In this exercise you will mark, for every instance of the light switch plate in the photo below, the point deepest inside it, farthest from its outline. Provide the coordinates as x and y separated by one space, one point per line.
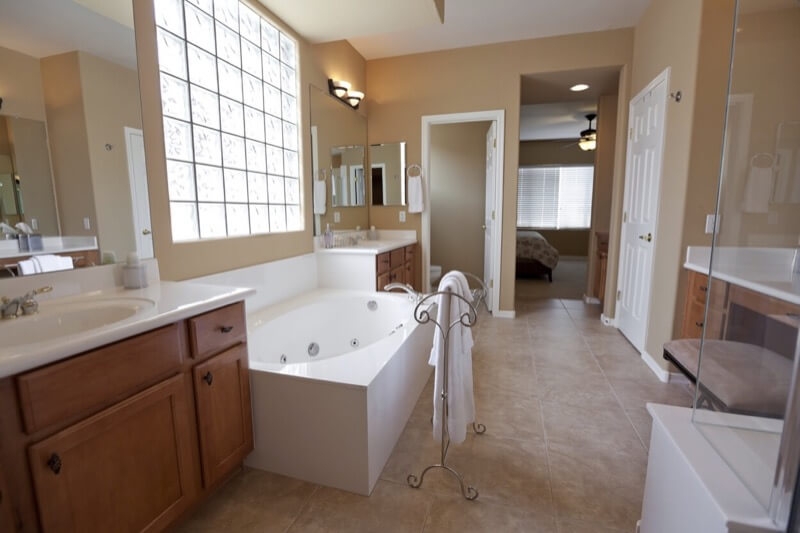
711 221
402 216
337 217
87 223
35 223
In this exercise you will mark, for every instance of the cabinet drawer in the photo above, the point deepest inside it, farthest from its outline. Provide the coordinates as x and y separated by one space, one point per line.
222 392
698 286
217 330
693 321
93 381
398 257
384 280
384 263
409 274
397 275
410 252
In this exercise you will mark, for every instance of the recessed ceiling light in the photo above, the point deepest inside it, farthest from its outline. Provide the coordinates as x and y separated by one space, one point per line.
579 87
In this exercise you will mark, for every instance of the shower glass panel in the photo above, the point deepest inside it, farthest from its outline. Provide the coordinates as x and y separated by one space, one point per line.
746 402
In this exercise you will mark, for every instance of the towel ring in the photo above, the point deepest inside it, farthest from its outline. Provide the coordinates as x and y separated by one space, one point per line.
414 166
762 154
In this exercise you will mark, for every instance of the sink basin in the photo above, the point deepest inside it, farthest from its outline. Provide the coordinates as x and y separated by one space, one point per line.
60 319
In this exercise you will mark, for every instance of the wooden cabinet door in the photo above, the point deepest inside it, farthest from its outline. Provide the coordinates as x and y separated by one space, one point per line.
224 416
125 469
6 513
384 280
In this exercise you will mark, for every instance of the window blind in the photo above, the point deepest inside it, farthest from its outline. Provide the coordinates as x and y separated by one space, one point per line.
555 197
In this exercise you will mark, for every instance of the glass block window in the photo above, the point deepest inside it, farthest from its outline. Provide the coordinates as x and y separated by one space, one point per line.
229 89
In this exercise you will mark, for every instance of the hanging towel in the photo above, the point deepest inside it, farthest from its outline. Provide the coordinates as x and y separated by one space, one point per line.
320 197
415 202
27 267
460 396
757 190
52 263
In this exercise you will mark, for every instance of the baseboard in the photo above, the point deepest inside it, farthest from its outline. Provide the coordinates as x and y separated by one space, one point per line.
661 374
500 313
591 300
608 321
678 378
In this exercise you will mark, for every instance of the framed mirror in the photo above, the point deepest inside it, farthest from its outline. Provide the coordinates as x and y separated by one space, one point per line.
338 141
388 173
72 162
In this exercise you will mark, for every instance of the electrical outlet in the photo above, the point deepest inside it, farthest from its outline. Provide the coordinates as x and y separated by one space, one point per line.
337 217
87 223
402 216
35 223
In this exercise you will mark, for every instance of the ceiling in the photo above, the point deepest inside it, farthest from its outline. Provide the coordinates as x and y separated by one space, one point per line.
563 120
321 21
554 86
42 28
476 22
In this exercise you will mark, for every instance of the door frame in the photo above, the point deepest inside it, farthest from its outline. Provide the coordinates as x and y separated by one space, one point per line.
663 76
137 224
428 121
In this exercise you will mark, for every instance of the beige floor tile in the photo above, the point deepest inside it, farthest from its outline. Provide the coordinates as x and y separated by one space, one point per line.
507 414
390 508
587 389
642 423
579 526
252 501
457 515
510 372
634 392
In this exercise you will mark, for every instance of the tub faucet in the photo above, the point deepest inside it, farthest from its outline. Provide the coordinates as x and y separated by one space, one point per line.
412 294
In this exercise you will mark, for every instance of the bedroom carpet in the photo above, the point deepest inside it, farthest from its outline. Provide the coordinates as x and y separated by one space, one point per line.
569 282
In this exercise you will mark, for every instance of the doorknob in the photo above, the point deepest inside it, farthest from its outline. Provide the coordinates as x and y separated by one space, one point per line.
146 231
648 237
483 226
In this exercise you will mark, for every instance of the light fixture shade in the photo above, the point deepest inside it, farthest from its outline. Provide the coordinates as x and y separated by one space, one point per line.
587 144
578 87
354 97
340 87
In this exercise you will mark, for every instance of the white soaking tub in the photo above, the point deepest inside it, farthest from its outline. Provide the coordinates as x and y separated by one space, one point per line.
335 375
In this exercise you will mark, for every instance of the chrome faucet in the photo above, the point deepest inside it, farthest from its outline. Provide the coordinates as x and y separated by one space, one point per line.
27 304
414 295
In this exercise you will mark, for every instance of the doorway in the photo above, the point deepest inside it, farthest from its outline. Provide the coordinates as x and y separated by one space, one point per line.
482 221
140 201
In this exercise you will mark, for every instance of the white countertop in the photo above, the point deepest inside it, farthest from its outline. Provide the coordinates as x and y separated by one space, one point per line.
764 270
50 245
369 247
174 301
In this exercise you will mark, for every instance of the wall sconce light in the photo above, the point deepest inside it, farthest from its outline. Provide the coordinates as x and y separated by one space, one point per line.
342 90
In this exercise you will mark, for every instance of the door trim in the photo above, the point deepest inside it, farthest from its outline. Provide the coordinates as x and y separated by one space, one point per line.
428 121
664 76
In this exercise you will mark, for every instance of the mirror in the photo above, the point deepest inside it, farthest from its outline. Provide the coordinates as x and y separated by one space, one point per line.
72 163
347 171
388 173
338 140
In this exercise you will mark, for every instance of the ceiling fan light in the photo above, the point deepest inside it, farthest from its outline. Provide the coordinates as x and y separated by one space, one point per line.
587 145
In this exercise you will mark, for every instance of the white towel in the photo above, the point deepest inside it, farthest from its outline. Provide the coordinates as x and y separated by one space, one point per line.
415 201
460 397
320 197
52 263
757 190
27 267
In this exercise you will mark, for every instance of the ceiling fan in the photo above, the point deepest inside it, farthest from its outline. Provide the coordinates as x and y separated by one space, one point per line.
588 139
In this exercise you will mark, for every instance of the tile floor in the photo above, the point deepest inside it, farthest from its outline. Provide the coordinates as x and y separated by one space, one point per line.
566 448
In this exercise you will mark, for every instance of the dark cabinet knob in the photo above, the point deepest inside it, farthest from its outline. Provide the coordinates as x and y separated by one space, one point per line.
226 329
699 324
208 378
54 463
703 288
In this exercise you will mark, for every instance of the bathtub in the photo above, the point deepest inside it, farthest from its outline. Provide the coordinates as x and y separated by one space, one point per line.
334 378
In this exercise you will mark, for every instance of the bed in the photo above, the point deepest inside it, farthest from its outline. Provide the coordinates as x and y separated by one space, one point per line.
535 256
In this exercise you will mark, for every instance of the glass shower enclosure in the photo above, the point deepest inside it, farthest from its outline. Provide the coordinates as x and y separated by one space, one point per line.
747 401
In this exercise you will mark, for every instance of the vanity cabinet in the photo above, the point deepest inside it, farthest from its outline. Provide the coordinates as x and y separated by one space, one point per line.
7 519
129 436
396 266
225 425
698 291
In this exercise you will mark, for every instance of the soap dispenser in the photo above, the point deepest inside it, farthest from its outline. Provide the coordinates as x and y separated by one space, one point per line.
134 273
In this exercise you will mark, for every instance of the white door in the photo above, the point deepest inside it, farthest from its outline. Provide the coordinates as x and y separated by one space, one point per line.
491 161
640 208
140 201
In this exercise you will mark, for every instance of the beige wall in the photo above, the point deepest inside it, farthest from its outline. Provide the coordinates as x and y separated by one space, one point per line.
111 103
191 259
603 180
556 152
458 195
473 79
568 242
66 123
21 85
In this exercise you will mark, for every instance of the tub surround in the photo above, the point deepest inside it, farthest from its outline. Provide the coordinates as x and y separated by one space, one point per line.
764 270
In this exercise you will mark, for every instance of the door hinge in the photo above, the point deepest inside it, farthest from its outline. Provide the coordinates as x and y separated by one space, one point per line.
491 284
494 143
619 294
624 216
630 133
492 214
